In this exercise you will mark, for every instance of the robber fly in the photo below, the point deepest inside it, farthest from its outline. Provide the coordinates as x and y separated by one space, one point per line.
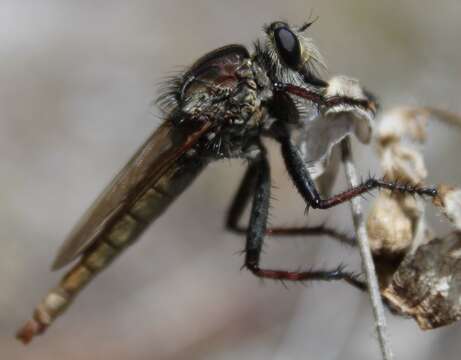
221 107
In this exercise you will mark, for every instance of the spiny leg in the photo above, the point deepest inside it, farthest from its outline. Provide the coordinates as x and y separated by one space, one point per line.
319 230
322 101
300 175
257 230
241 199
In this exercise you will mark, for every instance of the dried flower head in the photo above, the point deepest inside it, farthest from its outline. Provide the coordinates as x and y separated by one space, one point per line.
427 284
420 276
395 220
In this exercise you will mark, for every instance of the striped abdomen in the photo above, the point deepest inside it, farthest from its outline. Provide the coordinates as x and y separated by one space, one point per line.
124 231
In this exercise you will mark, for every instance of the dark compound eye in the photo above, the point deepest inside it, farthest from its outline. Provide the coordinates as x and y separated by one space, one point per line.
288 47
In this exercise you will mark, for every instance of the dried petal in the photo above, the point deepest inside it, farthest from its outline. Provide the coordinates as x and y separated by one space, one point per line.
361 119
427 285
403 163
319 138
341 85
403 123
389 227
320 135
449 201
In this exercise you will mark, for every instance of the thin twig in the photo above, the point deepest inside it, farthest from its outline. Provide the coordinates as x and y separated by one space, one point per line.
365 253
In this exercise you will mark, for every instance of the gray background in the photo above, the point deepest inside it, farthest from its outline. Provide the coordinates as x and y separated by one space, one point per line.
76 82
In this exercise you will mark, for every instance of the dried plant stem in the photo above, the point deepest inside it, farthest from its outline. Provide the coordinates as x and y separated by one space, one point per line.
444 116
365 253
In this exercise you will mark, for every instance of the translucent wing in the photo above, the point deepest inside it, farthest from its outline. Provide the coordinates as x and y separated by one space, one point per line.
161 150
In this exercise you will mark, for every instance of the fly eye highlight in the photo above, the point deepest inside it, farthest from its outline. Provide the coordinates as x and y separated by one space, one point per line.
288 47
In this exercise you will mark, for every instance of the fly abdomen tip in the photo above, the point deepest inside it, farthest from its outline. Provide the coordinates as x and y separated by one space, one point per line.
29 330
51 306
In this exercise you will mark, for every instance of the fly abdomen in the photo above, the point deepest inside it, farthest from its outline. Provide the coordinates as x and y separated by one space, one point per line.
151 204
111 243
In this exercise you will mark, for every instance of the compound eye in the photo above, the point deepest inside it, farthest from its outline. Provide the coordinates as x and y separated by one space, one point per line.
288 47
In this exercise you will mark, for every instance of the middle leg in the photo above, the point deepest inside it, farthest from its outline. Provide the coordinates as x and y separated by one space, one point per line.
242 198
257 230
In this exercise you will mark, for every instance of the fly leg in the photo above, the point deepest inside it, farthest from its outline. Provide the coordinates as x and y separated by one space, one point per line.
322 101
257 229
241 198
240 202
306 186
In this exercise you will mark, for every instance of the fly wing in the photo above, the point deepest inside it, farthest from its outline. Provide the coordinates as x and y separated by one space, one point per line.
161 150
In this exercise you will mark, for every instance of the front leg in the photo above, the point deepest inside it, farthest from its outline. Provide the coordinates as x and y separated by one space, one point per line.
321 101
303 181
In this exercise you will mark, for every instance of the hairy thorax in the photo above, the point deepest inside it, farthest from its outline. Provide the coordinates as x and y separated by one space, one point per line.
229 90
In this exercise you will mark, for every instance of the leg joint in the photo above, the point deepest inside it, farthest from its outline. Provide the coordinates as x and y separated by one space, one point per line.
371 183
253 267
315 203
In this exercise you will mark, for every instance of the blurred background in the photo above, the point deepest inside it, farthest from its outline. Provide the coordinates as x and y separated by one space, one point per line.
77 81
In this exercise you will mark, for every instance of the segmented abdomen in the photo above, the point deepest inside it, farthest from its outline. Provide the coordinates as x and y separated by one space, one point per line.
110 244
